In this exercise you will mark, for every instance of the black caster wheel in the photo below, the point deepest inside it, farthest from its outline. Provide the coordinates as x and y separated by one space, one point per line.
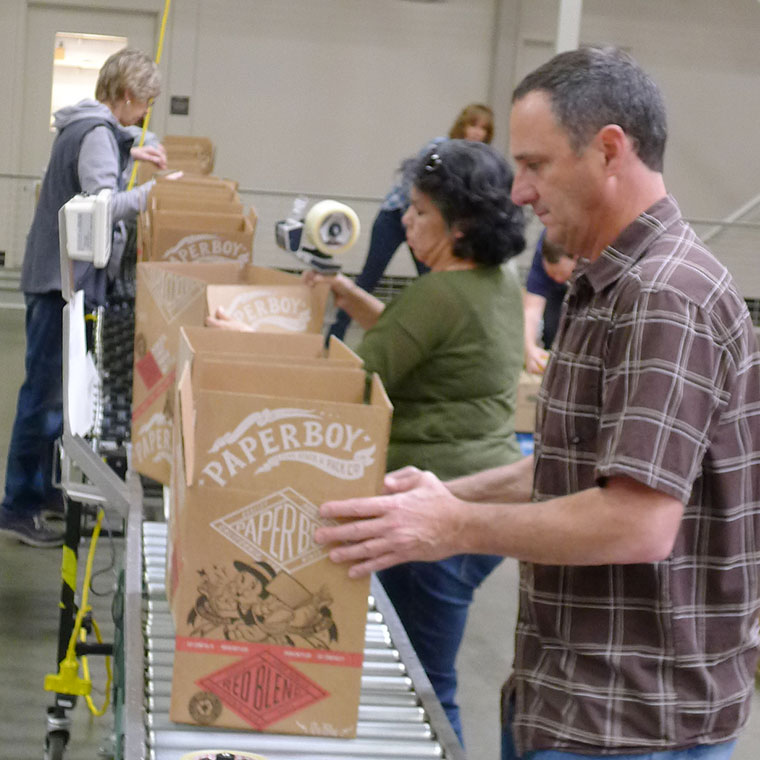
55 745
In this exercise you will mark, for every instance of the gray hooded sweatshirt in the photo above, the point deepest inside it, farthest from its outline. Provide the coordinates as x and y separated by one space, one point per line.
90 153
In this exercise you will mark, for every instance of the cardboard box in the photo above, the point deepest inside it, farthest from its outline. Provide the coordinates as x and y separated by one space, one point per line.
269 632
190 194
185 146
186 198
143 236
187 236
187 164
267 347
527 394
193 155
271 307
197 183
172 295
185 202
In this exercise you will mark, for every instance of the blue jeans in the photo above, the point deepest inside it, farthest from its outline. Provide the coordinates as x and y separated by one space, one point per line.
432 600
387 235
720 751
39 413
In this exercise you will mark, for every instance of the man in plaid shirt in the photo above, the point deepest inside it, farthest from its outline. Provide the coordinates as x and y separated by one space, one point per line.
637 521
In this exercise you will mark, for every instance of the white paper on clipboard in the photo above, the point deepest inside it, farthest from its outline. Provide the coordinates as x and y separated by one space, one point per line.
82 374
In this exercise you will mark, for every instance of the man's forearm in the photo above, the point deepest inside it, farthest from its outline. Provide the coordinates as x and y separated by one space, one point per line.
510 483
622 523
420 519
533 310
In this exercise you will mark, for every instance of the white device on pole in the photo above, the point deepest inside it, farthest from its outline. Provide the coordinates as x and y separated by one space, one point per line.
85 231
85 234
89 228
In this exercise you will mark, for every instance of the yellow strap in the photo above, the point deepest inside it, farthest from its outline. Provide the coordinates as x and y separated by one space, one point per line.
69 568
146 120
97 712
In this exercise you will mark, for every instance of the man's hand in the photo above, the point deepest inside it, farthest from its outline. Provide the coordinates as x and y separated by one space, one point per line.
417 519
156 154
535 359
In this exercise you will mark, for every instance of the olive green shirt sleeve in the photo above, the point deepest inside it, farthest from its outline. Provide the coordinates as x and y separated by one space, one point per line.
408 331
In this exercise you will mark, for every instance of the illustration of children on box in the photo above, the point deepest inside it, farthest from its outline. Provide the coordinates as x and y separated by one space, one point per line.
257 604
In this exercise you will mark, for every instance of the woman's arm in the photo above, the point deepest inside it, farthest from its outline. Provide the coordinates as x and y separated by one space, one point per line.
98 168
361 306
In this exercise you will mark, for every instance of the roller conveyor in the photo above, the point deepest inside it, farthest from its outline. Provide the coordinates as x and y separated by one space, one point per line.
399 715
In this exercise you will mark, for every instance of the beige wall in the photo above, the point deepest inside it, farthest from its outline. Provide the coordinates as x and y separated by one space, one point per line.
324 97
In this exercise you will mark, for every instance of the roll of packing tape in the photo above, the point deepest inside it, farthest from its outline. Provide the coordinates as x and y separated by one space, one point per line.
220 754
332 227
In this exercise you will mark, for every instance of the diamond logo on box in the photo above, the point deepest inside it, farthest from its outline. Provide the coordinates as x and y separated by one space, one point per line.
278 529
172 293
262 689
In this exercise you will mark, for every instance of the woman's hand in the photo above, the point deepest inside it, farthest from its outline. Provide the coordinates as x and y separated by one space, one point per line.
222 319
156 154
340 285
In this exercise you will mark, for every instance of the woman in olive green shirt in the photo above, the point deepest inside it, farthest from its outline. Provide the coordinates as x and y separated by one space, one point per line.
449 351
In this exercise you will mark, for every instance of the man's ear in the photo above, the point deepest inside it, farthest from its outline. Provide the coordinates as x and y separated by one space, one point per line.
614 145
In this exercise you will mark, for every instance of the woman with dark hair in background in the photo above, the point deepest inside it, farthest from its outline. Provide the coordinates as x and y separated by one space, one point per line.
449 350
91 152
474 122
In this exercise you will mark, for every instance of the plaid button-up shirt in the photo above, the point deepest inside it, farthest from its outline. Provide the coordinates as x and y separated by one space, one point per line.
655 376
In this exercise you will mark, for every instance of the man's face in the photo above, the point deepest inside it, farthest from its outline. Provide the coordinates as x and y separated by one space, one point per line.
565 189
560 271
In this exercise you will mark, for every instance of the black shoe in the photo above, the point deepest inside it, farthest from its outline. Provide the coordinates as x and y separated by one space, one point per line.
30 529
54 511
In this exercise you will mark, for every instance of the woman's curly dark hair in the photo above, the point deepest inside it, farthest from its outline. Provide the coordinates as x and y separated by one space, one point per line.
470 184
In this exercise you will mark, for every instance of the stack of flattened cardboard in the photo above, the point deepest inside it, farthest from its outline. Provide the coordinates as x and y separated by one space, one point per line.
194 155
195 218
172 295
269 632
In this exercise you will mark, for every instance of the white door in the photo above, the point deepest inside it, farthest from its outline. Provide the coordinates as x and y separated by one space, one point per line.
43 22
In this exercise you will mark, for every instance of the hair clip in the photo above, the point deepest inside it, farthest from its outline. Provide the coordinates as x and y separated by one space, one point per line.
433 162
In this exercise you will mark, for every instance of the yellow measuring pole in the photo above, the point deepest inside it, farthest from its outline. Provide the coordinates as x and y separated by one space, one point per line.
146 120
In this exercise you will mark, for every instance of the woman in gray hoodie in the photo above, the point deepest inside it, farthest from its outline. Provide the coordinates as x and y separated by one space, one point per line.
91 151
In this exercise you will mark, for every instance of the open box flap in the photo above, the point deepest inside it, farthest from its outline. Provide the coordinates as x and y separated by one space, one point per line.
187 421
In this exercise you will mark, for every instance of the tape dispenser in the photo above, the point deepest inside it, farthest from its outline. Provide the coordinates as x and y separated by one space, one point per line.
328 229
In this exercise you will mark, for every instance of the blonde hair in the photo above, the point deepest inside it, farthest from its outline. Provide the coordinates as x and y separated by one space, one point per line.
128 69
473 113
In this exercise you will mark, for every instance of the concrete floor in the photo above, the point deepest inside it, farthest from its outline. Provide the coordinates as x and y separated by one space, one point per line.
29 592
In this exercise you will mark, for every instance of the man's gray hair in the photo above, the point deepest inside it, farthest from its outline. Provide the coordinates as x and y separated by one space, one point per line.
594 86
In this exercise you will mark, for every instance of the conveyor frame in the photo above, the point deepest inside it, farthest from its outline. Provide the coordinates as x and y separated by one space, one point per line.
145 601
